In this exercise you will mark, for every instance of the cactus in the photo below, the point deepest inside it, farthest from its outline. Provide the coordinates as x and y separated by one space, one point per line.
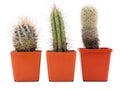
58 32
89 27
24 36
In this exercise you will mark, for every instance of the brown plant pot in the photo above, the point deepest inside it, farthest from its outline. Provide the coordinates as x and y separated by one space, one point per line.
95 63
61 65
26 65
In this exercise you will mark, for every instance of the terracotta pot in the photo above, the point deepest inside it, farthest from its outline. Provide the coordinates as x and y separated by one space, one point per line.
95 63
61 65
26 65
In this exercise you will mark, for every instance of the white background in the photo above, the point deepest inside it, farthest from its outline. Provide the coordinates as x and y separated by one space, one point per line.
39 12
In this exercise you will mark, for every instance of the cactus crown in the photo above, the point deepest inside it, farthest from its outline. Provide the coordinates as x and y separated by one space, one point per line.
24 36
89 27
58 32
89 16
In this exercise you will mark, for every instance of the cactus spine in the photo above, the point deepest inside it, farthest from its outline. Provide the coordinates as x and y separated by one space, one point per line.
89 27
24 36
58 32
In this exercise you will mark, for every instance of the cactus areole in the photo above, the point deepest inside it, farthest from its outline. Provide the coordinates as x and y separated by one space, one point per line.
58 32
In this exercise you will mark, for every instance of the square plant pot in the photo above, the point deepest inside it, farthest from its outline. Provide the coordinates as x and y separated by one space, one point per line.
61 65
26 65
95 63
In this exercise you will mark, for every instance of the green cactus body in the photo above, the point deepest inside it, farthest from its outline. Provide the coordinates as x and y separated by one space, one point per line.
89 27
58 32
24 37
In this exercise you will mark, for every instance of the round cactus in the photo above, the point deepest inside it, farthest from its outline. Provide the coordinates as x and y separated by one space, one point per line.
89 27
58 32
24 36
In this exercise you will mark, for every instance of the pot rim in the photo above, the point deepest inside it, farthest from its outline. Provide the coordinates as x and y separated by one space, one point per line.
61 52
14 51
101 49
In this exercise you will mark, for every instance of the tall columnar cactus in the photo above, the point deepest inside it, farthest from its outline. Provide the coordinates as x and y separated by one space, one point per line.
89 27
58 32
24 36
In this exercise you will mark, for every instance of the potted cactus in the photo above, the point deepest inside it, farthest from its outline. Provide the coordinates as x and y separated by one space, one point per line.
25 58
95 60
60 61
